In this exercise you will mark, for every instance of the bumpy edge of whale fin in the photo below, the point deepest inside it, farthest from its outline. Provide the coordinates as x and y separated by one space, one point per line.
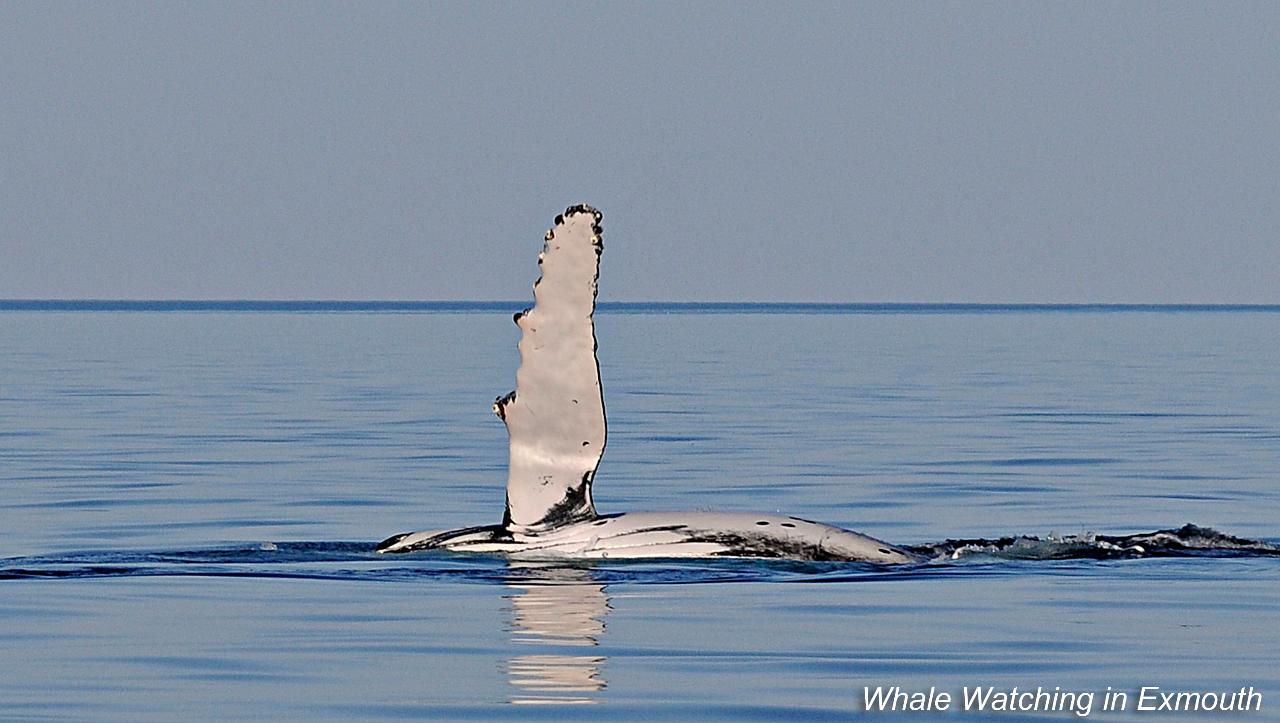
555 418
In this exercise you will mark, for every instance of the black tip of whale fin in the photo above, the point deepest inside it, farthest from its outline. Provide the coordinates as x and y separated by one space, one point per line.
390 541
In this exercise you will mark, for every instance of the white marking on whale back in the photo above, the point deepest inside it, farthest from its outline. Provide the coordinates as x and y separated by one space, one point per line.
676 535
555 417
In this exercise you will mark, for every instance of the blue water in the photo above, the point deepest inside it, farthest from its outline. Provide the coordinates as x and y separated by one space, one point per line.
192 490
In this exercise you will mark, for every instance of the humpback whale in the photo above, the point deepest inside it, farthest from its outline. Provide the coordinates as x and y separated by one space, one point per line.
556 431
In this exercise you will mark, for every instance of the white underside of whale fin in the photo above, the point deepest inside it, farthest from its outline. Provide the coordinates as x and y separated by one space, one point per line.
555 417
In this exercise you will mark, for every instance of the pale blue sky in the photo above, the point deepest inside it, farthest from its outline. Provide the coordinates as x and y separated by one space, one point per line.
975 152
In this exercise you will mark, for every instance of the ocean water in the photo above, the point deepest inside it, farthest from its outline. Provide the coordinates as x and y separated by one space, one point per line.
192 492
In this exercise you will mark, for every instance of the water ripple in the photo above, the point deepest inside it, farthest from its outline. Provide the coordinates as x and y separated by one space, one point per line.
358 561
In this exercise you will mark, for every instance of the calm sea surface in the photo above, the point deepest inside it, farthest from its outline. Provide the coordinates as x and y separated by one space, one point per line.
191 494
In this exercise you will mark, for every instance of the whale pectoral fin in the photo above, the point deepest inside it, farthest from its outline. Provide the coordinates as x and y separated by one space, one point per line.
432 539
555 417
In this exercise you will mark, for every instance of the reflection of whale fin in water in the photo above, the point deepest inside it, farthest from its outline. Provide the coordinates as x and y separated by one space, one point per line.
563 608
556 423
567 612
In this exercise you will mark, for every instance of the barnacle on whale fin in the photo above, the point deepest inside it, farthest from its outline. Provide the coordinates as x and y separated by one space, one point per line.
555 418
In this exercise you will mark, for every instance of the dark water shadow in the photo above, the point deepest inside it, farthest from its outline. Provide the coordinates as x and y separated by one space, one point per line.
357 561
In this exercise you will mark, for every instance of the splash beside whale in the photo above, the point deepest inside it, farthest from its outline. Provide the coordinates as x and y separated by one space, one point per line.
556 426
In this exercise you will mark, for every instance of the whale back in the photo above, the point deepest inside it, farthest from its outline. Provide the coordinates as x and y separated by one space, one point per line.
555 417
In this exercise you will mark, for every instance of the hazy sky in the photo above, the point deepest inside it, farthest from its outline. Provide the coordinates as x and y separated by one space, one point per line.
979 152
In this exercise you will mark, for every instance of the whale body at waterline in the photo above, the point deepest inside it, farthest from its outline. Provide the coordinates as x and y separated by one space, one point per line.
557 429
635 535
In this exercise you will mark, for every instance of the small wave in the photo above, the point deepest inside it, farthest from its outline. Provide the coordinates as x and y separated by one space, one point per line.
1186 541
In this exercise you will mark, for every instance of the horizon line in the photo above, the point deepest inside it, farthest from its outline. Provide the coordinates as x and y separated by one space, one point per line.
178 304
